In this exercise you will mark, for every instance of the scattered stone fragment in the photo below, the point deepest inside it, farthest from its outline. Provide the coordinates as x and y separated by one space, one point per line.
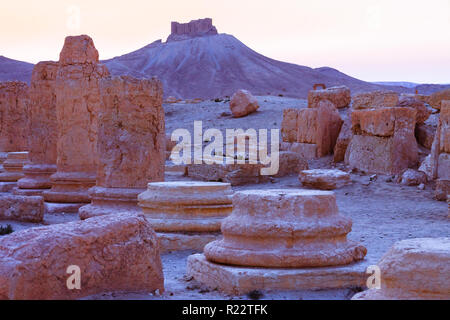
413 178
375 99
21 208
339 96
324 179
243 103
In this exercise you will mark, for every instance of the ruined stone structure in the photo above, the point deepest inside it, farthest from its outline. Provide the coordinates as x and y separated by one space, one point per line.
14 115
77 103
415 269
130 146
375 99
114 253
316 129
13 167
383 140
21 208
324 179
43 131
186 215
194 28
436 98
272 229
243 103
339 96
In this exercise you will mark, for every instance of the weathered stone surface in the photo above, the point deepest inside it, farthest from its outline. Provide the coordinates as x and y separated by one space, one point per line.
186 206
444 144
413 269
437 98
290 163
194 28
235 174
383 140
343 140
289 125
442 190
443 170
130 145
243 103
169 146
14 115
319 126
423 113
21 208
114 253
43 128
413 178
339 96
78 101
324 179
13 166
234 280
425 135
375 99
285 229
307 151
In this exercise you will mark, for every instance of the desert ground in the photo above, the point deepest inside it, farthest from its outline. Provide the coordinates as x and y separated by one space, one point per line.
382 210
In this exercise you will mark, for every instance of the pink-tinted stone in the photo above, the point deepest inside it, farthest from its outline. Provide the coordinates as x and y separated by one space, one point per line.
78 100
243 103
343 140
130 145
423 113
114 253
21 208
437 98
339 96
14 116
324 179
375 99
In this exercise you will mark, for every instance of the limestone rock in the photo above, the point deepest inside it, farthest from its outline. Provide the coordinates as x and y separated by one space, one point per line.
14 116
290 163
437 98
423 113
13 166
383 140
339 96
235 174
413 269
442 190
413 178
289 125
324 179
285 229
114 253
243 103
188 206
343 140
21 208
319 126
43 128
425 135
375 99
78 101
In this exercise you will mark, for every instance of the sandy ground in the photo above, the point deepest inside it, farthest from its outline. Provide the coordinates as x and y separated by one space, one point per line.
382 211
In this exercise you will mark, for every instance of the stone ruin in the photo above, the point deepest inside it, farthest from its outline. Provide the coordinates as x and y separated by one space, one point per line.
78 100
271 230
43 131
339 96
192 29
313 131
186 215
413 269
130 145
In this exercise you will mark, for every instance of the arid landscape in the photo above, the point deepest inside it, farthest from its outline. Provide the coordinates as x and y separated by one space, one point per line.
198 169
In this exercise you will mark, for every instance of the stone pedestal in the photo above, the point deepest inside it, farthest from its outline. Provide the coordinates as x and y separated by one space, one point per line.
130 146
13 166
277 230
3 156
77 104
413 269
43 131
186 215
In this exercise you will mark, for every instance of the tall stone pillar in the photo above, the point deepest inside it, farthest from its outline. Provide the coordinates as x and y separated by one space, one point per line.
77 103
43 131
14 126
130 146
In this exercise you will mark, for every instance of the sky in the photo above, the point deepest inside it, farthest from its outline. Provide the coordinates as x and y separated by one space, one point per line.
373 40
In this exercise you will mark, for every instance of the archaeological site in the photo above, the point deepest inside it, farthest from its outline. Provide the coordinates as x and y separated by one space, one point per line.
196 168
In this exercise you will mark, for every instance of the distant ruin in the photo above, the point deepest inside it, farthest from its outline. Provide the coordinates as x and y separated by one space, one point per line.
192 29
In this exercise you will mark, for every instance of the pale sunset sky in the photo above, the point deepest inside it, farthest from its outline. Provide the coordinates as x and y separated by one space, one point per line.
373 40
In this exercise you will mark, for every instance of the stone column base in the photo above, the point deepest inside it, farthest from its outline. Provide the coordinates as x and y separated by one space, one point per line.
241 280
110 201
28 192
37 176
7 186
185 241
70 187
55 208
13 166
